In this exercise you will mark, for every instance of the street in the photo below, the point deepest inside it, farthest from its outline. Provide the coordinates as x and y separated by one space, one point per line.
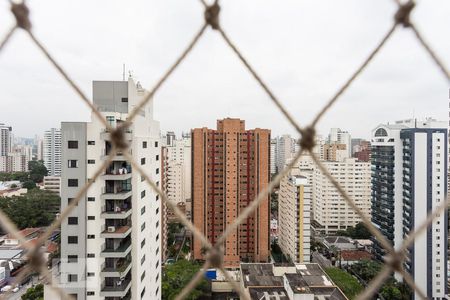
321 260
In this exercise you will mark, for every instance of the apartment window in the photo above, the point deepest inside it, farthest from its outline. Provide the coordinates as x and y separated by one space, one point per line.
91 218
143 161
72 278
72 144
91 143
157 224
157 197
142 276
72 163
124 100
111 120
72 258
91 199
91 236
157 170
157 237
157 157
142 178
157 264
72 182
69 200
143 194
72 220
157 291
91 161
157 251
90 293
143 293
144 144
90 274
143 226
156 144
142 210
72 239
143 243
157 276
157 210
90 255
142 260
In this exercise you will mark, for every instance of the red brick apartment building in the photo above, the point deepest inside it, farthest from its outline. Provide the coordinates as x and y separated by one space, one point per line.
230 166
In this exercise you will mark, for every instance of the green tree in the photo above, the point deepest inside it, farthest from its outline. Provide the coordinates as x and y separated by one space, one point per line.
349 285
29 184
34 293
34 209
37 170
361 232
390 292
177 275
366 269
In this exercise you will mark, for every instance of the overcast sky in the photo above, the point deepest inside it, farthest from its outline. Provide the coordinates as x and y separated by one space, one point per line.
304 50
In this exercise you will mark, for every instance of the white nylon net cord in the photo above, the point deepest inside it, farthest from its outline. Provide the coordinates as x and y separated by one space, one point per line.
307 134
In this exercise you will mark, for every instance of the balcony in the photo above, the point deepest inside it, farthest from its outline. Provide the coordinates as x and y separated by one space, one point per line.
118 157
119 174
118 213
116 232
121 270
118 289
115 194
120 252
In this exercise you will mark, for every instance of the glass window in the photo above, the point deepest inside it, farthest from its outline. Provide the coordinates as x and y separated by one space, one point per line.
72 220
72 144
72 182
72 163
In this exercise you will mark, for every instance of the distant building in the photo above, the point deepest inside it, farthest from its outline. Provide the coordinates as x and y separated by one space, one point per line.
264 281
52 183
338 136
5 139
361 151
230 167
52 151
335 152
294 217
409 180
285 150
273 156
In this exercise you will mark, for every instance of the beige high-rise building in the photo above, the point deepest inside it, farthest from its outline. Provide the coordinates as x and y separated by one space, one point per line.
230 167
330 210
294 216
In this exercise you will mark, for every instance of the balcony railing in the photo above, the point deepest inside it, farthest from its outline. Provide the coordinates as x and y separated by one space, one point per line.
119 289
121 251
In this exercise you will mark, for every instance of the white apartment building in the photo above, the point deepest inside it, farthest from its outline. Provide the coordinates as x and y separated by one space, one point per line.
5 139
273 156
338 136
331 211
409 180
179 172
285 150
110 243
294 217
51 151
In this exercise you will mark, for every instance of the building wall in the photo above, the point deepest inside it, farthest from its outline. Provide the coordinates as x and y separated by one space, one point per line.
294 218
331 211
241 170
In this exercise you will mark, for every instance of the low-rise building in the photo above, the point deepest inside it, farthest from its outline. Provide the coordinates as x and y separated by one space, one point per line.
265 281
52 183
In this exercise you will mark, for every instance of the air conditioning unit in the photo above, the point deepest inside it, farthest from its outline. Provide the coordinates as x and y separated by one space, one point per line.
111 229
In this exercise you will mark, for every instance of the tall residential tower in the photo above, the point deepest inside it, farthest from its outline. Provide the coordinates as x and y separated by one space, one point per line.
110 242
230 167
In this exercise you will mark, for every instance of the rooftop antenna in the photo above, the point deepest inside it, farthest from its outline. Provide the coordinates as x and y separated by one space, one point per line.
123 72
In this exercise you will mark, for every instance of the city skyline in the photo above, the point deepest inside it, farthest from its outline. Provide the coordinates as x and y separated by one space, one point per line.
387 89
